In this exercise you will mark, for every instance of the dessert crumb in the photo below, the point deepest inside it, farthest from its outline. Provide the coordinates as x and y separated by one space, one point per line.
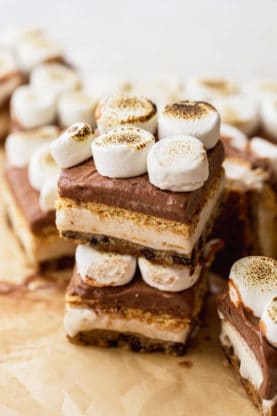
185 363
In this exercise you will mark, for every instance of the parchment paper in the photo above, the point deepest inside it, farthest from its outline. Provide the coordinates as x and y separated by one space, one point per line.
42 374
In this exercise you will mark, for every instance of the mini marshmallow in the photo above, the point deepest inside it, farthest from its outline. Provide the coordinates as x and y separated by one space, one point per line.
235 136
122 152
253 283
264 149
239 111
32 51
49 194
124 110
42 167
10 37
269 116
178 164
268 322
73 146
76 106
31 108
10 77
168 279
259 89
190 118
104 269
207 89
21 145
56 78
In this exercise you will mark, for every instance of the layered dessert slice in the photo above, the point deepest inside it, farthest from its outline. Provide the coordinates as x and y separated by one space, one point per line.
248 314
111 301
29 196
135 214
144 210
248 220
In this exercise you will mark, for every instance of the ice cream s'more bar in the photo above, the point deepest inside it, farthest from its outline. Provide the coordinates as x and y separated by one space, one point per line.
141 211
248 314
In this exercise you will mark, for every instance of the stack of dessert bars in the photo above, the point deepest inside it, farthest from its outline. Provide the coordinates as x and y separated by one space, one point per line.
141 211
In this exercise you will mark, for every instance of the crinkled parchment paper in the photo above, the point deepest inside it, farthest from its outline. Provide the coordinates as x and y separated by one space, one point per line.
42 374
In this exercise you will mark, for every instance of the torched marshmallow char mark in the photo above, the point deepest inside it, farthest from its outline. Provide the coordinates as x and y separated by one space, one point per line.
21 145
239 111
190 118
262 148
268 322
74 107
104 269
123 110
260 89
269 115
168 279
32 51
73 146
55 78
10 37
178 164
31 108
122 152
10 76
253 283
207 89
236 137
42 167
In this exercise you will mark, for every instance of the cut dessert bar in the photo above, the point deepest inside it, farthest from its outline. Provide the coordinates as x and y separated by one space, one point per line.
248 314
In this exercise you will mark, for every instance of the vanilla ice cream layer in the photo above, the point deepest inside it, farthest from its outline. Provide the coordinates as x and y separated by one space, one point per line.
85 319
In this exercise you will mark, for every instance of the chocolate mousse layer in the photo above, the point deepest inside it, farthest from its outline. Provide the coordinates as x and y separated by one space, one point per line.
84 184
248 327
27 199
138 295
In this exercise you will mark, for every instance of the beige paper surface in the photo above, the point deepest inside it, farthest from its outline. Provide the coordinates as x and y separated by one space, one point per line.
42 374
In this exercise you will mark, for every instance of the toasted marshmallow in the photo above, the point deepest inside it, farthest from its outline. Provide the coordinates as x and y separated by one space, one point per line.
207 89
42 167
123 110
73 146
20 146
32 51
259 89
56 78
190 118
234 135
178 164
11 36
122 152
268 322
104 269
253 283
169 279
239 111
74 107
269 116
31 108
262 148
10 77
49 194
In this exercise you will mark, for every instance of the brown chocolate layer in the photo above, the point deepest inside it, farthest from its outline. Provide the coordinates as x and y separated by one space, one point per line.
83 183
27 199
138 295
248 327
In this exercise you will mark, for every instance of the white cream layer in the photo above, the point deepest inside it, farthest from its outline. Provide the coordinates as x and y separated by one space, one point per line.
83 220
250 368
84 319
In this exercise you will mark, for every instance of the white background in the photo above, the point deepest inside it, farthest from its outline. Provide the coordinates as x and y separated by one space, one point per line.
237 38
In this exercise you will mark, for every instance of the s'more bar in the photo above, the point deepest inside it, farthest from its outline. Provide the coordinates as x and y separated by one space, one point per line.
248 315
141 211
